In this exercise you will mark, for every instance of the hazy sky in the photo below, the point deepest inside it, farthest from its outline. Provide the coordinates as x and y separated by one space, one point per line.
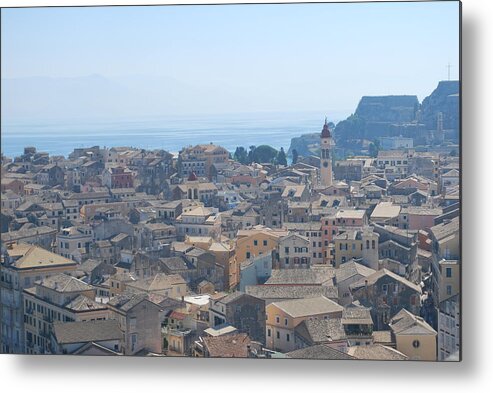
277 57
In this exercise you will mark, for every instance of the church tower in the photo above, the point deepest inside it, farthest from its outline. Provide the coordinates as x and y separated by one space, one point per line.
325 156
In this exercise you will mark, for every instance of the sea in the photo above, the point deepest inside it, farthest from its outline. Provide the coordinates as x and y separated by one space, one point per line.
171 133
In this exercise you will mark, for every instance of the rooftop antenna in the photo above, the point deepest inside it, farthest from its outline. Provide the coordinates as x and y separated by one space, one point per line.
448 68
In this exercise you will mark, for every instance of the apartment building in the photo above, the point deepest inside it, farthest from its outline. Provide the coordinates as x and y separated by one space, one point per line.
21 266
58 298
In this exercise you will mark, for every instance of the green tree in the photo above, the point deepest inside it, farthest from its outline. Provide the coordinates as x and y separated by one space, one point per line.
374 148
251 158
295 156
241 155
264 154
281 157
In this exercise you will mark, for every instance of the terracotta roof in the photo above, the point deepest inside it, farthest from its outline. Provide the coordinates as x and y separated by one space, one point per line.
228 346
321 330
28 257
159 282
383 337
178 315
64 283
306 307
373 278
285 292
87 331
83 303
351 269
406 323
356 314
309 276
375 352
320 352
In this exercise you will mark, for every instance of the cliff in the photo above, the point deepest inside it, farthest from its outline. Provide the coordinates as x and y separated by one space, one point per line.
445 99
388 109
306 145
378 116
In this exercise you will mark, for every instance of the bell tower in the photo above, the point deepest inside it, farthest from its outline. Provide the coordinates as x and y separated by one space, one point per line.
325 156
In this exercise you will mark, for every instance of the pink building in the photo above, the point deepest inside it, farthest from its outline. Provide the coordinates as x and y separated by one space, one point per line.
342 220
420 218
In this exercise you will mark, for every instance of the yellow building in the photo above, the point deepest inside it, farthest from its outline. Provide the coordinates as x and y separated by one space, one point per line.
224 254
22 265
357 244
251 243
200 158
117 283
413 336
284 316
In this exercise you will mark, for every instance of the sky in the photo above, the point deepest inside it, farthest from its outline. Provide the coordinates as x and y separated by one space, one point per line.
228 58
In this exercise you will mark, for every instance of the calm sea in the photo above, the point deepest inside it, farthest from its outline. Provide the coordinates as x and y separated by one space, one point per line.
169 133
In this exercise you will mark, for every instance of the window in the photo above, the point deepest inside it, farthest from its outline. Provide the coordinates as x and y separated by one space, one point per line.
449 289
255 242
285 321
248 254
265 242
277 319
448 272
287 337
286 250
278 335
268 333
416 343
384 288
